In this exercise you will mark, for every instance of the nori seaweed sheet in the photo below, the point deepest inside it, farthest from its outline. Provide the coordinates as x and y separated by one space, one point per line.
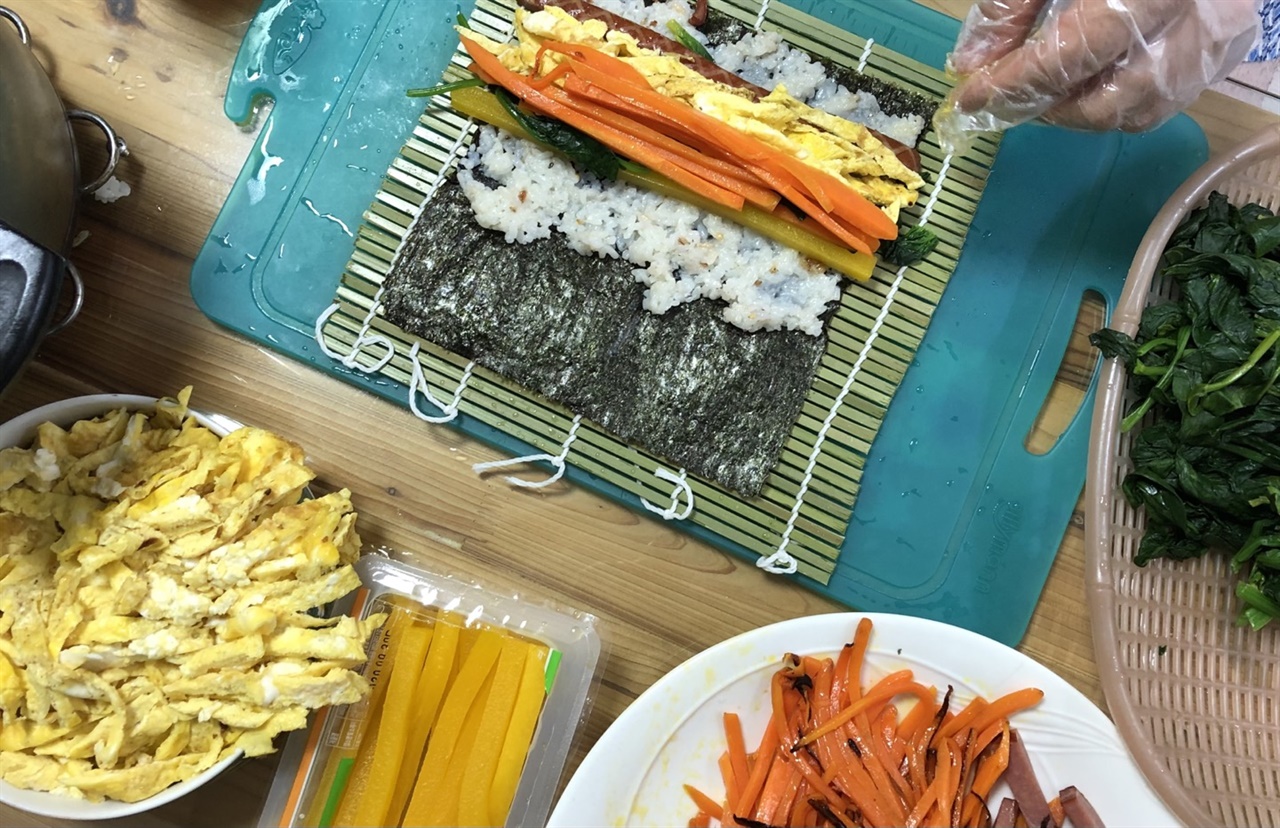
894 100
708 396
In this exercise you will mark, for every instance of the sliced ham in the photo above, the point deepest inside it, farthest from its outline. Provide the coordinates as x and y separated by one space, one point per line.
1021 777
1080 813
1007 816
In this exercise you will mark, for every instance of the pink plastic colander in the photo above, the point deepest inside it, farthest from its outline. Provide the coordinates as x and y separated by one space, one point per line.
1196 698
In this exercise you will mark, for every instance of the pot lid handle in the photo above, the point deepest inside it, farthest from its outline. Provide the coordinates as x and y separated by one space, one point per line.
77 300
116 147
24 34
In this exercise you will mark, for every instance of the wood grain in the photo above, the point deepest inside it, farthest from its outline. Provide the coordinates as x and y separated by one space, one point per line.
157 70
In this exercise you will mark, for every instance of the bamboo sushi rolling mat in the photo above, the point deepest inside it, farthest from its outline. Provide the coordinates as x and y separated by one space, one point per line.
807 501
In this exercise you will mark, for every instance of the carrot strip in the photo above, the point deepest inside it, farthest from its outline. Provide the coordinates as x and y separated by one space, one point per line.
1006 706
700 820
989 735
967 772
801 808
777 792
853 778
988 774
831 193
861 639
705 804
924 806
737 746
730 781
917 717
558 73
764 754
553 101
965 717
624 71
1057 812
815 211
835 752
881 692
639 127
720 173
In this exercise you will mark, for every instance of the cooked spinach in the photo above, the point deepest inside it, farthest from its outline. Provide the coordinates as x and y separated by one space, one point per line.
444 88
1205 366
682 36
912 245
579 147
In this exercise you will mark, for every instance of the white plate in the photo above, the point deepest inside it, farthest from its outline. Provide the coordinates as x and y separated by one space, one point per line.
673 734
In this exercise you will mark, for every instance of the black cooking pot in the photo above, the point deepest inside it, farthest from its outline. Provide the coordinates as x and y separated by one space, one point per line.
39 187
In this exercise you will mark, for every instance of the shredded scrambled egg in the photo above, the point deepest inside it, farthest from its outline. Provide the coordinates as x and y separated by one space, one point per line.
835 145
155 583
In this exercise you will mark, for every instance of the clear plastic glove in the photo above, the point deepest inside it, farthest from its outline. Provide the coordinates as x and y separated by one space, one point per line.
1089 64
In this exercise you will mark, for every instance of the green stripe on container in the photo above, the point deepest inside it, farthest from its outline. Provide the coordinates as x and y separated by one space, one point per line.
335 791
553 667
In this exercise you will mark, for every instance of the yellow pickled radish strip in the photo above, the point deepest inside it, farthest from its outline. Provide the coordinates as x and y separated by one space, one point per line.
397 707
432 682
466 640
358 779
515 747
444 810
473 797
461 697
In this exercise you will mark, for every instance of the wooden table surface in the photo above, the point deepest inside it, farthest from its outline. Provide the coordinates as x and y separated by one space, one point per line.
157 70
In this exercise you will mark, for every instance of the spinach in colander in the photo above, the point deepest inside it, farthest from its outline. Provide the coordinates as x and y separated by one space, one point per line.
1207 468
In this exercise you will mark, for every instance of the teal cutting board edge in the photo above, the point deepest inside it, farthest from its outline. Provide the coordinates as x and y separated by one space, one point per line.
955 520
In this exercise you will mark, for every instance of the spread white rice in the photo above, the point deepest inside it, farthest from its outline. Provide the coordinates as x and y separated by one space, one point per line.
680 253
765 59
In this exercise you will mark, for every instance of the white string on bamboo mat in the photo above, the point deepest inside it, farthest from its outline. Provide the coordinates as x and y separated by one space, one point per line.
418 383
557 462
673 512
362 337
764 8
781 562
351 359
456 151
866 54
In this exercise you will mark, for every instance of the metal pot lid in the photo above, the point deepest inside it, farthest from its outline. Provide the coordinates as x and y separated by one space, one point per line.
37 150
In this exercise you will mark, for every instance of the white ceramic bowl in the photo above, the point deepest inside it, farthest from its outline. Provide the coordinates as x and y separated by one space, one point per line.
20 431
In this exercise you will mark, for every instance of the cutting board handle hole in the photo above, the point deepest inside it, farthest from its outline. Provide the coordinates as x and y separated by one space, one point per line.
1075 375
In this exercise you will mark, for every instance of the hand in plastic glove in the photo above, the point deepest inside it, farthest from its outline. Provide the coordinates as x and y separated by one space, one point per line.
1090 64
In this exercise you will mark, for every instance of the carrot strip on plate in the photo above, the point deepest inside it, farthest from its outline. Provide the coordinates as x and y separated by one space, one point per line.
835 751
705 804
861 640
1006 706
764 756
737 746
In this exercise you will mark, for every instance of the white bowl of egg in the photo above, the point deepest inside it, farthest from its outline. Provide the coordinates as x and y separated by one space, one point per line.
20 431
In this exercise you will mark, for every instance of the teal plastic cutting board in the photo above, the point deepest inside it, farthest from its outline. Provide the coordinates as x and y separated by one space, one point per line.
956 520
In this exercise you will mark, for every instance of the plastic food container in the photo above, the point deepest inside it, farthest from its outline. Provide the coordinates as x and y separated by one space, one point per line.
1196 698
310 779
